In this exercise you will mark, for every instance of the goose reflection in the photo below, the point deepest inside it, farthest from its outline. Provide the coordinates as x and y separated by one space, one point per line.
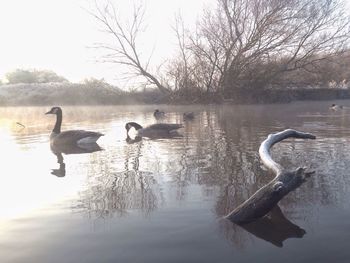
61 171
58 150
130 140
137 138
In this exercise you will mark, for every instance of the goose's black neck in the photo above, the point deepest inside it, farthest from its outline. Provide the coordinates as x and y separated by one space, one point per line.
135 125
57 128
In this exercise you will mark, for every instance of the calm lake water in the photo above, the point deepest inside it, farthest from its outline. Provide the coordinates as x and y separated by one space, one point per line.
163 200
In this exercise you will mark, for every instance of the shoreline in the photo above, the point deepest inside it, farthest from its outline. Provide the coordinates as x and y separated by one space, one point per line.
69 94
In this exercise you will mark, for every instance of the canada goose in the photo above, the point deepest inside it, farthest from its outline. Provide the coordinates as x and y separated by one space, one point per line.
158 114
336 107
188 116
78 137
154 130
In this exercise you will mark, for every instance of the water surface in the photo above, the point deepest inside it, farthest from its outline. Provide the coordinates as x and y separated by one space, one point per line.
162 200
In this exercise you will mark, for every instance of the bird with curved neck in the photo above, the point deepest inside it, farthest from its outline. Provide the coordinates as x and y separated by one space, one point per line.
78 137
154 130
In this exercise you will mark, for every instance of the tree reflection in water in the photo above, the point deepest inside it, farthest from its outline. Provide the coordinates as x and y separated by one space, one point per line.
219 153
115 193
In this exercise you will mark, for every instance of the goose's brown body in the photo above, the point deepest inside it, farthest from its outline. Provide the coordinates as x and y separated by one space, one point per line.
71 136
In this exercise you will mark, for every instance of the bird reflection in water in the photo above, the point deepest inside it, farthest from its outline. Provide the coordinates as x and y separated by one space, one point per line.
137 138
130 140
58 150
274 228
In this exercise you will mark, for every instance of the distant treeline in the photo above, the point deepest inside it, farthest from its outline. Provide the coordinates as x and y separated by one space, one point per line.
82 94
66 93
33 87
55 93
284 96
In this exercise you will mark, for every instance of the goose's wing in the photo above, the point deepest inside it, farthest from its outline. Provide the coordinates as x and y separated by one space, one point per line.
165 126
76 135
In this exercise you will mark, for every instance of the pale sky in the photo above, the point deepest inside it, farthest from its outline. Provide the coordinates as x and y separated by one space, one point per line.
56 35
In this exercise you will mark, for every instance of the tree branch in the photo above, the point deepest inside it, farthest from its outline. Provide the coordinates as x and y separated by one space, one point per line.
263 200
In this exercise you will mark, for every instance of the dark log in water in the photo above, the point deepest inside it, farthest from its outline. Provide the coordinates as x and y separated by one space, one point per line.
260 203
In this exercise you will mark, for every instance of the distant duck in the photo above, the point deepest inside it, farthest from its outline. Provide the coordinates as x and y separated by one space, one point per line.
77 137
158 114
154 130
336 107
188 116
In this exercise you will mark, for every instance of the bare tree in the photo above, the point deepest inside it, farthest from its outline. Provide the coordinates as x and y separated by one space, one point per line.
183 66
239 47
193 70
125 48
187 70
251 43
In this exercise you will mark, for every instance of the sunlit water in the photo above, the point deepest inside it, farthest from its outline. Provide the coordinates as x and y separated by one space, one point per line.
163 200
